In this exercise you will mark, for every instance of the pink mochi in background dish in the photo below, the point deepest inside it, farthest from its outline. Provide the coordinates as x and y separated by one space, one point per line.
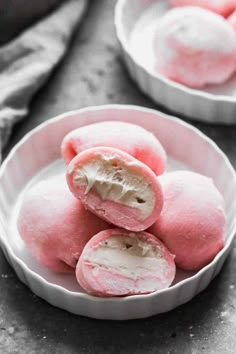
117 263
192 222
116 187
55 225
232 20
221 7
130 138
194 47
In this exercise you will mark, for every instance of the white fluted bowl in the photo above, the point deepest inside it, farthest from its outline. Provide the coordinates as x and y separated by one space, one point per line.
134 23
37 156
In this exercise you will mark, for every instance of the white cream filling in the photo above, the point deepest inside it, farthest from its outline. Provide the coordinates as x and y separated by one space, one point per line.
128 256
116 182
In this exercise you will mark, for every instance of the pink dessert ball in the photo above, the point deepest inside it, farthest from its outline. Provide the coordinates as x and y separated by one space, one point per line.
232 20
55 225
221 7
117 263
116 187
192 222
194 47
130 138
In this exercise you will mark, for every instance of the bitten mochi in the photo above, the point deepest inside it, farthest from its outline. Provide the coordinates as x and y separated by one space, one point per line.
194 47
118 262
221 7
192 222
55 225
127 137
116 187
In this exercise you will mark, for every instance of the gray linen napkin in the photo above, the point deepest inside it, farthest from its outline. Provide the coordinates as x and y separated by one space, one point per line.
27 61
19 14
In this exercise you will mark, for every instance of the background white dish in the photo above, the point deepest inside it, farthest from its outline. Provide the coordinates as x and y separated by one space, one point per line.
37 156
135 22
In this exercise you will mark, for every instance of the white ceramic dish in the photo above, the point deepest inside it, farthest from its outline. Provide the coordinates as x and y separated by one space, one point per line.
37 155
134 22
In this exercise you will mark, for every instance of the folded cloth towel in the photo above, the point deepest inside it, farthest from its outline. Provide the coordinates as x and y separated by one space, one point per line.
27 61
18 14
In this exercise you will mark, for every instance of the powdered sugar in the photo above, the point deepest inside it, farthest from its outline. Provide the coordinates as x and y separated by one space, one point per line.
198 29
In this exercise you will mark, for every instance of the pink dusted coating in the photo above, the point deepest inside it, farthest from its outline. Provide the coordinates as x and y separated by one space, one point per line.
192 222
55 225
221 7
108 280
232 20
130 138
113 212
194 47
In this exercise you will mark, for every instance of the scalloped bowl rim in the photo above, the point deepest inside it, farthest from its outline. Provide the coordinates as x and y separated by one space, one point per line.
59 288
187 90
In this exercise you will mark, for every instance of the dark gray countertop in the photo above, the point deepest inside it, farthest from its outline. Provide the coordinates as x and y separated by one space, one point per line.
93 74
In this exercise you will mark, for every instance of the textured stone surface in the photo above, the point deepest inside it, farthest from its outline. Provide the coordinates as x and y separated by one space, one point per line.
92 74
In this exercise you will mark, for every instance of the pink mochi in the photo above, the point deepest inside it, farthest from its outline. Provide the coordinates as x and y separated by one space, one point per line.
192 222
55 225
221 7
117 263
117 187
232 20
194 47
127 137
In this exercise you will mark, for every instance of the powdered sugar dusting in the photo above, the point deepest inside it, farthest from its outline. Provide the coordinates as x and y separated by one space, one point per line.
140 46
199 29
